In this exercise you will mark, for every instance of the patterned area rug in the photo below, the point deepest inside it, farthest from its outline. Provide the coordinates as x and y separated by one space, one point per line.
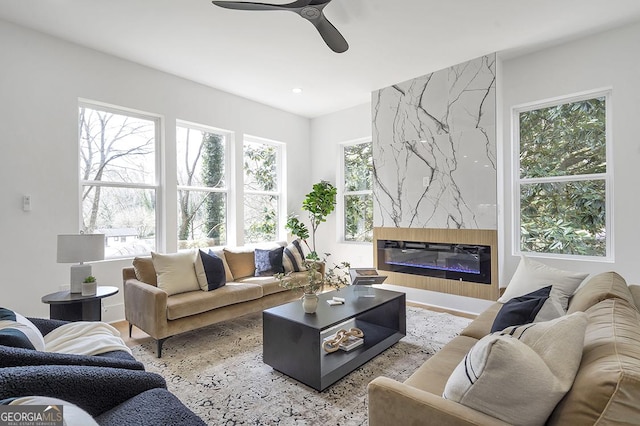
218 373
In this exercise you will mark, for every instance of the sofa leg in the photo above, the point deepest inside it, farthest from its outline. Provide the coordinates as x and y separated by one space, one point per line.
160 342
130 329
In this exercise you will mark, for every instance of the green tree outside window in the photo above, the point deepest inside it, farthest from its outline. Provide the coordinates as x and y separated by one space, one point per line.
562 178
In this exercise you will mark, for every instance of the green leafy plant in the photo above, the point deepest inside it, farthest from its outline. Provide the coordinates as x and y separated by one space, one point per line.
319 204
90 279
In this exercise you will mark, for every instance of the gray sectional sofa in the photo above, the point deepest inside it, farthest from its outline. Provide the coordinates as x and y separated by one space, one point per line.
112 387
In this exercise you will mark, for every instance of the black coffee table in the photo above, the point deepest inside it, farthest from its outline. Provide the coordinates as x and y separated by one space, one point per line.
292 340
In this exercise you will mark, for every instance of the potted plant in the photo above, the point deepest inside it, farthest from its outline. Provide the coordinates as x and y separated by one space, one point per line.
89 286
319 203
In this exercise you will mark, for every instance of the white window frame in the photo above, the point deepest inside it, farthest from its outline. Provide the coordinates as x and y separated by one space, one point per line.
342 192
228 137
607 176
155 186
281 179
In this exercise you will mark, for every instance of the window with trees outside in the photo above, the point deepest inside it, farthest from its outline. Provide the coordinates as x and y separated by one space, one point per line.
562 177
201 155
118 178
357 193
262 190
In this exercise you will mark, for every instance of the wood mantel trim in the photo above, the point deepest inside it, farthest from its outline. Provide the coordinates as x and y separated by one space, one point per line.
487 237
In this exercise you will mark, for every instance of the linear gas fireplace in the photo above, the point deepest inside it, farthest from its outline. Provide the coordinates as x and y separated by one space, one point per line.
462 262
455 261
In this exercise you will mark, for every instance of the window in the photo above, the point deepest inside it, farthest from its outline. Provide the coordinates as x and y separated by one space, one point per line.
357 193
562 177
262 190
201 155
118 178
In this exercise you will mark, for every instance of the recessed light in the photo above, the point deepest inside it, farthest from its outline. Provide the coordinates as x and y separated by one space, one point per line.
297 90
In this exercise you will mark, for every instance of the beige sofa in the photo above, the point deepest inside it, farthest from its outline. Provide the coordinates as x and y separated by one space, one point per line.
606 390
161 315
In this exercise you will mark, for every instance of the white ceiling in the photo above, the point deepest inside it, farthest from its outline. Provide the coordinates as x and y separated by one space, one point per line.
263 55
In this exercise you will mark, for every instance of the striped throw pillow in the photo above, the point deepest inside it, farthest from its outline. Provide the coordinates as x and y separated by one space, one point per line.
519 375
293 257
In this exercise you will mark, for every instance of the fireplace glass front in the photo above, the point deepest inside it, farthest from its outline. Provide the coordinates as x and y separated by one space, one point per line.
460 262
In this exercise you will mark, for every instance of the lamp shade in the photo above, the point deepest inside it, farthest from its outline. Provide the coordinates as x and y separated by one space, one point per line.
80 248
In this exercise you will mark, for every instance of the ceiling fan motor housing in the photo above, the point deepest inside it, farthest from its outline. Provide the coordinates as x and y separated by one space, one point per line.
310 13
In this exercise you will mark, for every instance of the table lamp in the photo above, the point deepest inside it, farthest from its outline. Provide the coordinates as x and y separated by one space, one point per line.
80 248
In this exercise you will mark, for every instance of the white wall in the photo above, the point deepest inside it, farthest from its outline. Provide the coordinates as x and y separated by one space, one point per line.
608 59
41 79
327 133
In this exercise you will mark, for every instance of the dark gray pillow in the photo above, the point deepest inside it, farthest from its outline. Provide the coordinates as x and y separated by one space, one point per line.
213 269
521 310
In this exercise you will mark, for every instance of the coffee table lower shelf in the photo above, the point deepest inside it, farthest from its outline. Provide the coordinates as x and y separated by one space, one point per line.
292 340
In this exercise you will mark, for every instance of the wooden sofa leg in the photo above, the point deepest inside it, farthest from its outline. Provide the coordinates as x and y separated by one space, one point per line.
160 342
130 329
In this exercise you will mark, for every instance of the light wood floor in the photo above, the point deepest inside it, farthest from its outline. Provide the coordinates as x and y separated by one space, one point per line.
138 336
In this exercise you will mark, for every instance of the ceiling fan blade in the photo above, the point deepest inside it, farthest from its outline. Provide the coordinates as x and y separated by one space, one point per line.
330 34
243 5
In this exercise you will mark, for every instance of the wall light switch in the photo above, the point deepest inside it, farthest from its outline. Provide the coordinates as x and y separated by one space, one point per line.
26 203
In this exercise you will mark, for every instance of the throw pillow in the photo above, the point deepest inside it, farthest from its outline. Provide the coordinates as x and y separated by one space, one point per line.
71 414
635 292
176 272
18 332
520 374
241 261
293 257
521 310
269 262
144 270
210 271
220 253
531 275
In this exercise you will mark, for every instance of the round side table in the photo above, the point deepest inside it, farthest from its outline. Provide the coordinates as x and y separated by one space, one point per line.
64 305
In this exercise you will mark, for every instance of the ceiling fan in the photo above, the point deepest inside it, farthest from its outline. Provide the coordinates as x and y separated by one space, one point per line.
311 10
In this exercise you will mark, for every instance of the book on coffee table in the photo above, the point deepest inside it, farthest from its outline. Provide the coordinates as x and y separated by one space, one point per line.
351 343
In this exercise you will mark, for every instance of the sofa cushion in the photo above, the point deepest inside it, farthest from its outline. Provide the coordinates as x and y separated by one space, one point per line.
144 270
481 326
606 389
241 261
195 302
269 285
176 272
268 261
18 332
635 292
532 275
209 271
220 253
293 257
521 310
432 376
606 285
545 356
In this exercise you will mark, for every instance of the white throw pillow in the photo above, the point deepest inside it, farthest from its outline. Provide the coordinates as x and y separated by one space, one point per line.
34 332
532 275
176 272
72 414
520 374
25 333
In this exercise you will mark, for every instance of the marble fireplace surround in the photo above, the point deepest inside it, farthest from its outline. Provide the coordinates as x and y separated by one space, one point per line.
486 237
434 149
